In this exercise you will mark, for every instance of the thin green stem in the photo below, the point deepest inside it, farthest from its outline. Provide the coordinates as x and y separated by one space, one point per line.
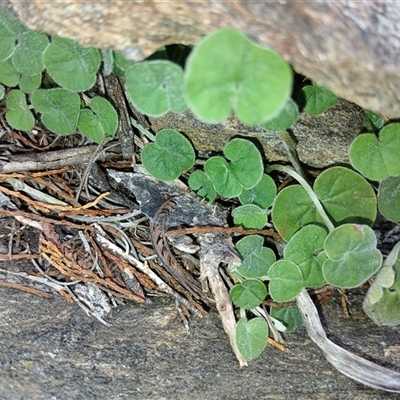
290 147
308 189
143 130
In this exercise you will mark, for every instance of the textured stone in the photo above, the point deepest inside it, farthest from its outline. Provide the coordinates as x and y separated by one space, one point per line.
52 350
352 47
322 140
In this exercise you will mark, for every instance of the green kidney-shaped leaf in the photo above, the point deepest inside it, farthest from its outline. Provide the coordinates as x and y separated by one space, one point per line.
156 87
286 280
199 182
72 66
60 109
352 255
256 259
169 156
251 337
100 121
285 119
18 114
249 216
289 316
292 210
253 81
244 170
30 83
377 158
382 301
248 294
28 55
316 98
262 195
305 248
9 30
389 198
9 76
346 196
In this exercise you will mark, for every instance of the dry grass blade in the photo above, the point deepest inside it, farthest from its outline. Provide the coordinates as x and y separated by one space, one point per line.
347 363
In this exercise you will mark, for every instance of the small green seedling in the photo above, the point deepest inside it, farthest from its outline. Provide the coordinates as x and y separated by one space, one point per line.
242 168
377 158
60 109
98 122
26 57
169 156
256 259
251 337
18 114
253 81
316 99
156 87
382 301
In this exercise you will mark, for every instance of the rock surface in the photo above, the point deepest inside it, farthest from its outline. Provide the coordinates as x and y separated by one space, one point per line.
322 140
52 350
351 47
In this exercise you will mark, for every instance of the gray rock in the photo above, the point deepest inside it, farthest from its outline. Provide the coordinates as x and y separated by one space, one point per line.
52 350
351 47
322 140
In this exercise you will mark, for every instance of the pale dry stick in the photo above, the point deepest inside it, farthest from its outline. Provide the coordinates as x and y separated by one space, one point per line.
48 160
209 266
347 363
143 267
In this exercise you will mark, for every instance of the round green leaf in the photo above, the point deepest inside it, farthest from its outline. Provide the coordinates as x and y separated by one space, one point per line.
352 255
9 30
377 158
18 114
2 91
389 198
289 316
316 98
346 196
286 280
253 81
262 195
100 121
169 156
9 76
305 248
60 109
244 170
256 259
249 216
292 210
199 182
285 119
30 83
28 55
72 66
156 87
251 337
385 310
248 294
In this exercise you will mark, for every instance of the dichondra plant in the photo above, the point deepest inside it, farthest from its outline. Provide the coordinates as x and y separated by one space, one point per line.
325 227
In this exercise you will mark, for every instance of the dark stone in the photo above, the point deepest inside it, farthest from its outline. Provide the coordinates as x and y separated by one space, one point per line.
50 349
